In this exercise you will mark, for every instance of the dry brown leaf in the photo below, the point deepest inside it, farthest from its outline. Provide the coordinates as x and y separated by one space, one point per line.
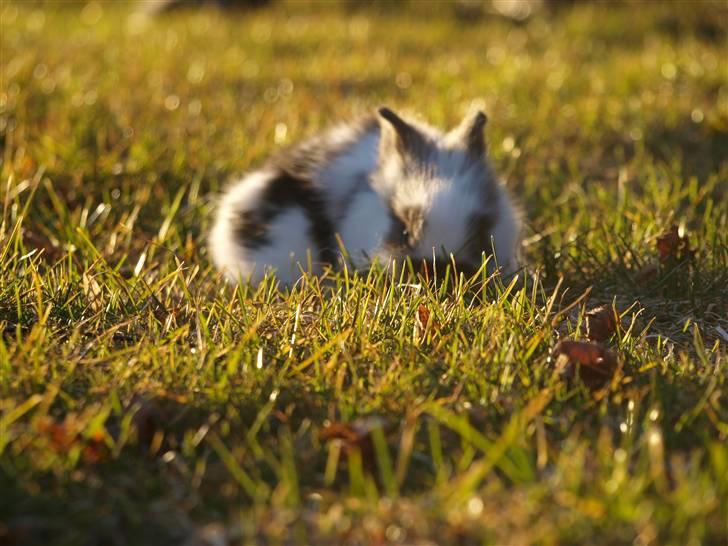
355 435
673 244
422 319
591 362
340 431
601 323
282 417
423 316
62 436
95 451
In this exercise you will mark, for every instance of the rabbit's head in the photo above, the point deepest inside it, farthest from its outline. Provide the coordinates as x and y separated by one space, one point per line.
441 194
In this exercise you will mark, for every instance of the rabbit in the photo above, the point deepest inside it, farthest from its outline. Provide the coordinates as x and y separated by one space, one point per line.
385 187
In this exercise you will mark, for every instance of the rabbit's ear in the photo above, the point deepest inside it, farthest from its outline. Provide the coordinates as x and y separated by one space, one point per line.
470 133
400 137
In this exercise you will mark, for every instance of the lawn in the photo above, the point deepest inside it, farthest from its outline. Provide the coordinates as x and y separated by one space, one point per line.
144 401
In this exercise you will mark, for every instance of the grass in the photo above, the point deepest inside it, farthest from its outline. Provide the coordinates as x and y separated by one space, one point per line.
144 401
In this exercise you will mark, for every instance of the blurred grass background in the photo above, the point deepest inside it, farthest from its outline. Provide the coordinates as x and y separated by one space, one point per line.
144 402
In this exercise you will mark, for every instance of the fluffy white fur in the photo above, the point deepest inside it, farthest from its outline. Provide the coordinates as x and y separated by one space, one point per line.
370 178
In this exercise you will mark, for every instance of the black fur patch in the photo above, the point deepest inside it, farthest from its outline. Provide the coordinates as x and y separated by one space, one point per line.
481 227
297 167
286 191
397 238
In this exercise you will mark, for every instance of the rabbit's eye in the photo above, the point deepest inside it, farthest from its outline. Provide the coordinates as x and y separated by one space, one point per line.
406 238
400 234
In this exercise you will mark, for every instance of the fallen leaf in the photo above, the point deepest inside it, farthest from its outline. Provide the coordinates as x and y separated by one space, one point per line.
423 316
282 417
95 450
601 323
354 435
340 431
422 319
60 437
63 436
594 364
674 244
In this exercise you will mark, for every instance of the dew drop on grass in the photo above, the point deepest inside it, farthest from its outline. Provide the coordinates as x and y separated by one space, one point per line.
697 115
40 71
508 144
394 533
475 506
669 71
280 133
513 9
285 87
171 103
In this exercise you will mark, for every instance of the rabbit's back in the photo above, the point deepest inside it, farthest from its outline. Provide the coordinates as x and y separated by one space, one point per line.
287 214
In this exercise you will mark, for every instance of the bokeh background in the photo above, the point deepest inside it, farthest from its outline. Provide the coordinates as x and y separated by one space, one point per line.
144 401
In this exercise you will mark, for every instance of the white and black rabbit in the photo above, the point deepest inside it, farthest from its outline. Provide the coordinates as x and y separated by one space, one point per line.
387 187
